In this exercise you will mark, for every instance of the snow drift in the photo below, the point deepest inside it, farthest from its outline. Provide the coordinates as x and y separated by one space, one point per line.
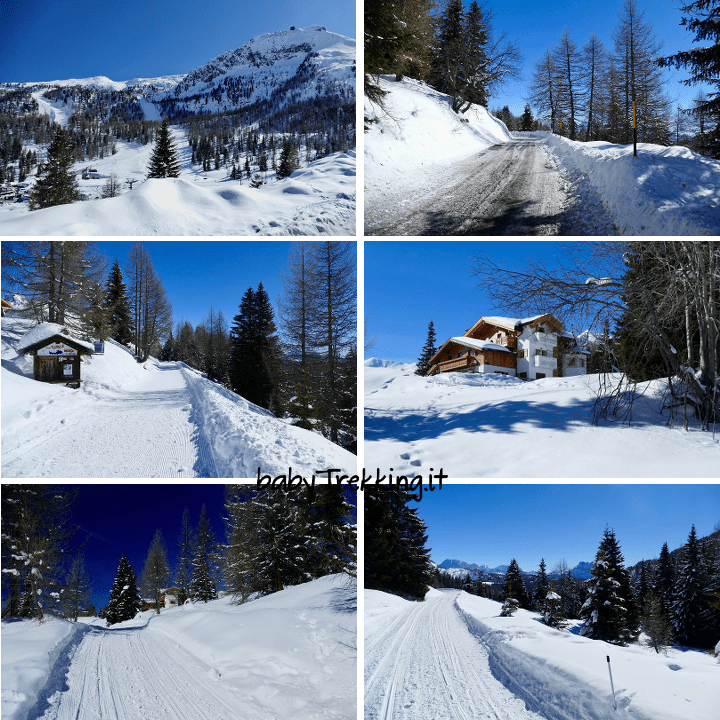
316 200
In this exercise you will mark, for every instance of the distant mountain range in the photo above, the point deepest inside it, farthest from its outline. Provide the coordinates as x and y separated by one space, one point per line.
458 567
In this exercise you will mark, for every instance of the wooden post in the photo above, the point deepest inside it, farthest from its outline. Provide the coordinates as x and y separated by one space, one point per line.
634 130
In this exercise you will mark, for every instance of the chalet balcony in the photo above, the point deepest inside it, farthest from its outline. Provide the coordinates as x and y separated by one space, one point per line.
461 363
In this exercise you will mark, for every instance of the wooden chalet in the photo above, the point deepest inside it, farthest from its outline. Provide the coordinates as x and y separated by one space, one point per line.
526 348
56 354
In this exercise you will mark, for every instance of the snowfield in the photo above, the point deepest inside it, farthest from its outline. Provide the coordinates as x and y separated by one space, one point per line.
315 200
452 656
288 655
418 151
473 426
156 419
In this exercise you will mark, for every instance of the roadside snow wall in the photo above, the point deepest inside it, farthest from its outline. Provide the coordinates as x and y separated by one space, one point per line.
417 129
662 191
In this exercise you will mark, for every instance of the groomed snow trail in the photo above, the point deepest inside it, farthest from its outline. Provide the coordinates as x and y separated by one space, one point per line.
426 665
509 189
146 432
133 674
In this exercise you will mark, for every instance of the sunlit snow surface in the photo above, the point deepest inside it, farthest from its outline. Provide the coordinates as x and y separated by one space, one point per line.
143 420
316 200
289 655
419 657
473 426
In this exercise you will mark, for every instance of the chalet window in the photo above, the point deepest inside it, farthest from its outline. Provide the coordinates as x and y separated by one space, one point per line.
541 330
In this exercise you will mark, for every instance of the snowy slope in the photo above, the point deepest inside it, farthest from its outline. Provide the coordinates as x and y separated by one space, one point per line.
416 138
452 656
150 420
316 200
288 655
498 426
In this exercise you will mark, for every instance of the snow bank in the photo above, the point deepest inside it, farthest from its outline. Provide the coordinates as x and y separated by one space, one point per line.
564 676
662 191
244 437
474 425
294 651
34 658
416 134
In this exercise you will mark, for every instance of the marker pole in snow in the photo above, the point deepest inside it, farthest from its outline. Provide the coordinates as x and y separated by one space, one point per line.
634 129
611 682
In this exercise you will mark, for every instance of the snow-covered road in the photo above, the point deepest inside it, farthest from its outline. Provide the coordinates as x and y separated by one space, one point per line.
425 664
134 674
144 432
509 189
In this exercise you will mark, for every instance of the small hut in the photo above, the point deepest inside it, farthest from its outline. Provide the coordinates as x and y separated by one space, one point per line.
56 353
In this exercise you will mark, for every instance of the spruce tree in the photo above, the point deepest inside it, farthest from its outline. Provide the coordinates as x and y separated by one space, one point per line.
396 559
703 62
663 581
551 607
428 351
449 73
156 573
289 160
125 602
689 599
542 585
203 586
514 585
164 162
655 623
118 305
183 572
610 612
527 122
77 593
57 185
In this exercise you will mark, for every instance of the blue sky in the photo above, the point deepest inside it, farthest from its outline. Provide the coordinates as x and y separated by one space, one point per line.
409 283
534 26
61 39
117 520
198 273
492 524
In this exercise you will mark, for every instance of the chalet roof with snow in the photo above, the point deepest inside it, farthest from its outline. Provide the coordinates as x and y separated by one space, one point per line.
43 333
478 344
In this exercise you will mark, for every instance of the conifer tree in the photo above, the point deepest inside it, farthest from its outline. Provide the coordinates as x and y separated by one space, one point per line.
289 160
527 122
156 573
702 62
542 585
514 585
689 595
118 305
164 162
125 600
396 559
57 185
551 607
663 581
183 572
655 623
428 351
204 561
610 612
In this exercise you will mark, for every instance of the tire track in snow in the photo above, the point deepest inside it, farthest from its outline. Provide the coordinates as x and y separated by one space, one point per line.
426 665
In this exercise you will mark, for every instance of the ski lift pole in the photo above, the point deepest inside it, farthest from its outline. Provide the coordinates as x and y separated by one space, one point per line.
612 686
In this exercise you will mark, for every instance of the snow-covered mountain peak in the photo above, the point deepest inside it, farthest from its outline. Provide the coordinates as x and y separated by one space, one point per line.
285 60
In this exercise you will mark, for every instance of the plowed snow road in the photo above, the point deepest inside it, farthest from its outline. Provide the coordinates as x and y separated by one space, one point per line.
134 674
147 432
509 189
426 665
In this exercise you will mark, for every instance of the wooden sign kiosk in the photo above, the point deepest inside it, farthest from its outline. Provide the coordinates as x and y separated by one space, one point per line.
56 359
